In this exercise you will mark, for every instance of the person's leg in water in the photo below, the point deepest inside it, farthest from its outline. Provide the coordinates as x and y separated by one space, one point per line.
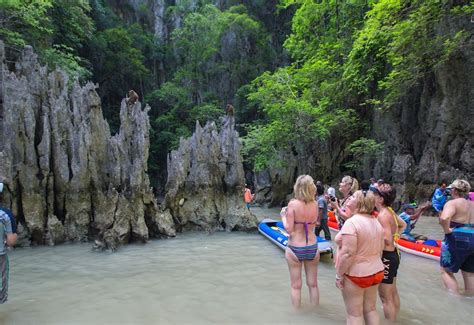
354 300
396 297
468 282
449 281
294 266
311 271
387 289
370 305
467 270
387 295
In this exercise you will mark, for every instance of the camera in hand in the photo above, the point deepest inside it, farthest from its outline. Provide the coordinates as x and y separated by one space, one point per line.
332 198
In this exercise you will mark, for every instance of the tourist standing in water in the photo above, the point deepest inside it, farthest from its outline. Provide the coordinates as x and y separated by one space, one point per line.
323 213
359 268
392 225
7 238
248 196
457 250
439 198
347 186
300 219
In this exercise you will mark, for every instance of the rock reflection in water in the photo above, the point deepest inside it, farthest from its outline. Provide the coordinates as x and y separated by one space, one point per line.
197 278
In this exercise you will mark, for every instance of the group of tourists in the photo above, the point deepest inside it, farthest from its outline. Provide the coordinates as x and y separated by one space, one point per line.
367 258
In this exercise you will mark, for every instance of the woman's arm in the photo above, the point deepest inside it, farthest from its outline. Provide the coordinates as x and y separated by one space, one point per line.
401 223
420 210
346 254
289 218
448 212
11 239
342 212
384 220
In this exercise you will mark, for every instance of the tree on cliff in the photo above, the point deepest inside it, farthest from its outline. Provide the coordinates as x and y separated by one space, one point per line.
349 58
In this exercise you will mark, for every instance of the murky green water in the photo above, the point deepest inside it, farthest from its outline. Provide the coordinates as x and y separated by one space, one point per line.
197 278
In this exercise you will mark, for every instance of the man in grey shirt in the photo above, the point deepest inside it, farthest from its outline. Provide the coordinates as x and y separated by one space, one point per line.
7 238
323 213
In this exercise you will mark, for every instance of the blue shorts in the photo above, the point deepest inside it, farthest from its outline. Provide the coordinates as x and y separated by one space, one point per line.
247 205
457 250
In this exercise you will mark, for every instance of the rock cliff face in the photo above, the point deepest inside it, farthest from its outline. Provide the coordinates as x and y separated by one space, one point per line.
429 135
274 187
67 178
206 181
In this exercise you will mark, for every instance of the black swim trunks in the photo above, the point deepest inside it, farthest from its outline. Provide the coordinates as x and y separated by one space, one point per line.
391 261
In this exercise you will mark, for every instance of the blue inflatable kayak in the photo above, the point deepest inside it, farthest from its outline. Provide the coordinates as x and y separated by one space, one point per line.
277 234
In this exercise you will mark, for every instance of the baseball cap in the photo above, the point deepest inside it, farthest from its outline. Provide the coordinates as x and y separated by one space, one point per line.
331 191
460 185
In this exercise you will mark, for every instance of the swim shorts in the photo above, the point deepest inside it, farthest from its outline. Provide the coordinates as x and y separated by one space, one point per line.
391 261
367 281
457 250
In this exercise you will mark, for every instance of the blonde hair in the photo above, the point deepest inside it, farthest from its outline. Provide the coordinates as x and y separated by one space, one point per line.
365 201
352 181
462 186
304 188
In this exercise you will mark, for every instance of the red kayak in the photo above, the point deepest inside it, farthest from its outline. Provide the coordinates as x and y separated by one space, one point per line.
421 249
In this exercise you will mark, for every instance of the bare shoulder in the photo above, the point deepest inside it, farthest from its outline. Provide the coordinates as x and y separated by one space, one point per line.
293 203
450 203
384 216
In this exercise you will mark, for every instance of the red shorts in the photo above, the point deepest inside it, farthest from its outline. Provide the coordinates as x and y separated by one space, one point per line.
366 281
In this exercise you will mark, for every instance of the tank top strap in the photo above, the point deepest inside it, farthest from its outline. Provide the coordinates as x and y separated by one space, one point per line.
396 234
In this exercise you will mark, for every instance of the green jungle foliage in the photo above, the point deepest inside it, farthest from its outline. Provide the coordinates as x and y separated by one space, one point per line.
299 72
349 58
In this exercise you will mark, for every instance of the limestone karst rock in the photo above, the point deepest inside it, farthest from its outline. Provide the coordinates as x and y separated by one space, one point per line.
205 175
67 178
